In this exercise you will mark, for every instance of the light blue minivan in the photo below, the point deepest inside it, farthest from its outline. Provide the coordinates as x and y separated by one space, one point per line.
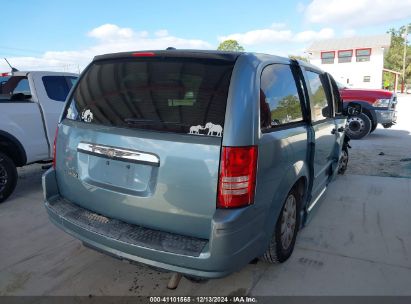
197 162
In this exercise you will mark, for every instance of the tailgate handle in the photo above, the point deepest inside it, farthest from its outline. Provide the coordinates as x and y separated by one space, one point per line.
120 154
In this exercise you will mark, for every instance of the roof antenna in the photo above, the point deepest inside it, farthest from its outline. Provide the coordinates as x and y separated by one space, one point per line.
170 48
12 69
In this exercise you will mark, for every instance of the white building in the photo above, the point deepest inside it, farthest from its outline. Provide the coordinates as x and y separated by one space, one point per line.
356 61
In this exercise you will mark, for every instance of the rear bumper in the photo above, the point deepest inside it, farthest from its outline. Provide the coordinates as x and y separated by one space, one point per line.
236 237
386 116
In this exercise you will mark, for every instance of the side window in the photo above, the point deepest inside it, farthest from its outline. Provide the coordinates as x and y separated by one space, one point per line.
279 100
363 55
71 80
15 88
320 108
56 87
22 87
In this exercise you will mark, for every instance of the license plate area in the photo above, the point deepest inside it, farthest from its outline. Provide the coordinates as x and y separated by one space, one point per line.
112 171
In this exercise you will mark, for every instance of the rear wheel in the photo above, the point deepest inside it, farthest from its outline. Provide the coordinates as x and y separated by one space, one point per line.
358 126
285 234
343 163
8 177
373 127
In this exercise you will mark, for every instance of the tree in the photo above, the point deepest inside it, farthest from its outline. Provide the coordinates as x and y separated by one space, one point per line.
230 45
297 57
393 59
288 109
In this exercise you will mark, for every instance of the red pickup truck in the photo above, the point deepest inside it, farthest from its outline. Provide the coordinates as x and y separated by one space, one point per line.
378 106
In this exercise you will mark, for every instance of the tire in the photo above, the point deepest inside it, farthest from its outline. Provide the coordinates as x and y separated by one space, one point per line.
282 244
358 126
374 126
343 162
8 177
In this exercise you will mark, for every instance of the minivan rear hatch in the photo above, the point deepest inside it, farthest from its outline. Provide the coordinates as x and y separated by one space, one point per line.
141 136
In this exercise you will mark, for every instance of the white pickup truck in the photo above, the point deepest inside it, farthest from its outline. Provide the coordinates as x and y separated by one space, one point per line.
30 106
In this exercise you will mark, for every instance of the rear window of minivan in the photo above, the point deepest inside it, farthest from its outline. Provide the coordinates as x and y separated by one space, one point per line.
183 95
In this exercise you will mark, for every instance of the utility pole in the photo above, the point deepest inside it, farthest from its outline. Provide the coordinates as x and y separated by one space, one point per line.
403 59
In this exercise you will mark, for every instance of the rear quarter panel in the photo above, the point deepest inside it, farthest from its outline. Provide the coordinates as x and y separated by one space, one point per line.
282 153
23 121
281 162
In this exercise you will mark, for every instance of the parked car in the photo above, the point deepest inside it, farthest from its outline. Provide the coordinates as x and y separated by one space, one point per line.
194 161
30 106
378 107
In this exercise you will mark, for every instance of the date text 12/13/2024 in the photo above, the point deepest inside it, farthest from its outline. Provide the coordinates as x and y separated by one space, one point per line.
203 299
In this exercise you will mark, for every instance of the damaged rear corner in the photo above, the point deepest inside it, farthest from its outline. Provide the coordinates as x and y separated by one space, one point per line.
49 183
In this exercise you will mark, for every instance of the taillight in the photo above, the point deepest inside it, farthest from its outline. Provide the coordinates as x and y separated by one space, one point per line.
236 183
143 54
54 148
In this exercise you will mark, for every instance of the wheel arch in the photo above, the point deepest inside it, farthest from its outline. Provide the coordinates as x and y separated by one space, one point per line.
367 109
371 115
297 177
367 112
12 147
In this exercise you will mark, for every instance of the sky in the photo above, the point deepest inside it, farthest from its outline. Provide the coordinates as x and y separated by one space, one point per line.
66 35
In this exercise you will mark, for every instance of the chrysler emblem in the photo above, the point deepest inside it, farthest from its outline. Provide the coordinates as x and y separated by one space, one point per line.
110 152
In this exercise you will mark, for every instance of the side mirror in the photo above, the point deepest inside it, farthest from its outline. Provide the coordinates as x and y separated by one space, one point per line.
353 109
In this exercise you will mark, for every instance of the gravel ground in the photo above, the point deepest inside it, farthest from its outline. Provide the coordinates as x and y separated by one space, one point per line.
385 152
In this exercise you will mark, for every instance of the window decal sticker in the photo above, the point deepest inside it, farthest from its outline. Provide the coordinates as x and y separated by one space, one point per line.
196 129
70 114
87 115
212 130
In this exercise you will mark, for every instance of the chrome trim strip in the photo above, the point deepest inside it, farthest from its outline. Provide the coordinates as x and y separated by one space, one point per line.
317 199
120 154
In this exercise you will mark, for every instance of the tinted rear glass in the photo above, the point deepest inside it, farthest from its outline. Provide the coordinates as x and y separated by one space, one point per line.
58 87
183 95
14 88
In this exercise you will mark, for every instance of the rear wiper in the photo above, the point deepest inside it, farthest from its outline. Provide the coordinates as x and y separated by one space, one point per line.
151 121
